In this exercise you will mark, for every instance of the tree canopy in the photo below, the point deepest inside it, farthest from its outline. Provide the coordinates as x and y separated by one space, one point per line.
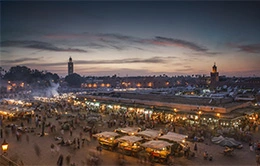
23 73
74 80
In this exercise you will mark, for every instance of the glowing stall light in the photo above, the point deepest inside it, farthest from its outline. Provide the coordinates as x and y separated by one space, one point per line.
141 110
4 146
97 104
116 106
130 109
110 106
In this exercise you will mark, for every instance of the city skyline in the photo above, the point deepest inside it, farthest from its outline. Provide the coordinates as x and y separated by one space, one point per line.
138 38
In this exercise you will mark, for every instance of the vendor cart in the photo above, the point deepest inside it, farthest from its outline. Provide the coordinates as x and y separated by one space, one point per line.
178 141
128 130
107 139
149 134
130 145
158 150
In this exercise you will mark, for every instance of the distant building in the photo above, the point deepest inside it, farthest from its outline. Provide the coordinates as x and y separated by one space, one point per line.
214 76
70 66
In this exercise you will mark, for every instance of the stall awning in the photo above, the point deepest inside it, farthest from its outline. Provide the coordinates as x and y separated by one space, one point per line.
128 130
149 133
106 134
130 139
171 136
156 144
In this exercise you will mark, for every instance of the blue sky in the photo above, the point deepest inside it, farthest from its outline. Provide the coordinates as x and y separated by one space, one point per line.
134 38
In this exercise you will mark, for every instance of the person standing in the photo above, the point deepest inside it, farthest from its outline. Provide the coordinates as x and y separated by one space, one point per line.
27 138
78 140
70 131
60 160
68 160
62 132
52 149
195 147
1 132
257 158
37 150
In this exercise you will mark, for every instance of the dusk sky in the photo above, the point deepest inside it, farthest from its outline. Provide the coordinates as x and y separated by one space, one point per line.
137 38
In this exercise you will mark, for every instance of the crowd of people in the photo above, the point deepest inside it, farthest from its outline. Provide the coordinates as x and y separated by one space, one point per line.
58 118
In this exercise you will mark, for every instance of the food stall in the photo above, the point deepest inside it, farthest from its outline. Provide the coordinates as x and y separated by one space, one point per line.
177 139
158 150
128 130
130 145
149 134
107 139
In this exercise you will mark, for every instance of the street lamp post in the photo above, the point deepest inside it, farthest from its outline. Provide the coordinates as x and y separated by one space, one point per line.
4 147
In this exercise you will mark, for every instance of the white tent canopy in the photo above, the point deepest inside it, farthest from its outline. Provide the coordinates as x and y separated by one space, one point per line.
156 144
129 130
150 133
171 136
225 141
130 139
106 134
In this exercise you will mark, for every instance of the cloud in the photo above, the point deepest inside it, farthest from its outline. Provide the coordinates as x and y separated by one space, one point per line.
121 42
250 48
163 41
127 60
154 60
158 41
113 36
64 36
39 45
21 60
206 53
122 72
4 51
96 45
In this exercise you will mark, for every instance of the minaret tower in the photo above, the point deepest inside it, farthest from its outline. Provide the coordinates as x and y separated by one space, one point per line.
70 66
214 77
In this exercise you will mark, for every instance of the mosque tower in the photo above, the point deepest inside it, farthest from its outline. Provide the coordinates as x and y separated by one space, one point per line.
214 75
70 66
